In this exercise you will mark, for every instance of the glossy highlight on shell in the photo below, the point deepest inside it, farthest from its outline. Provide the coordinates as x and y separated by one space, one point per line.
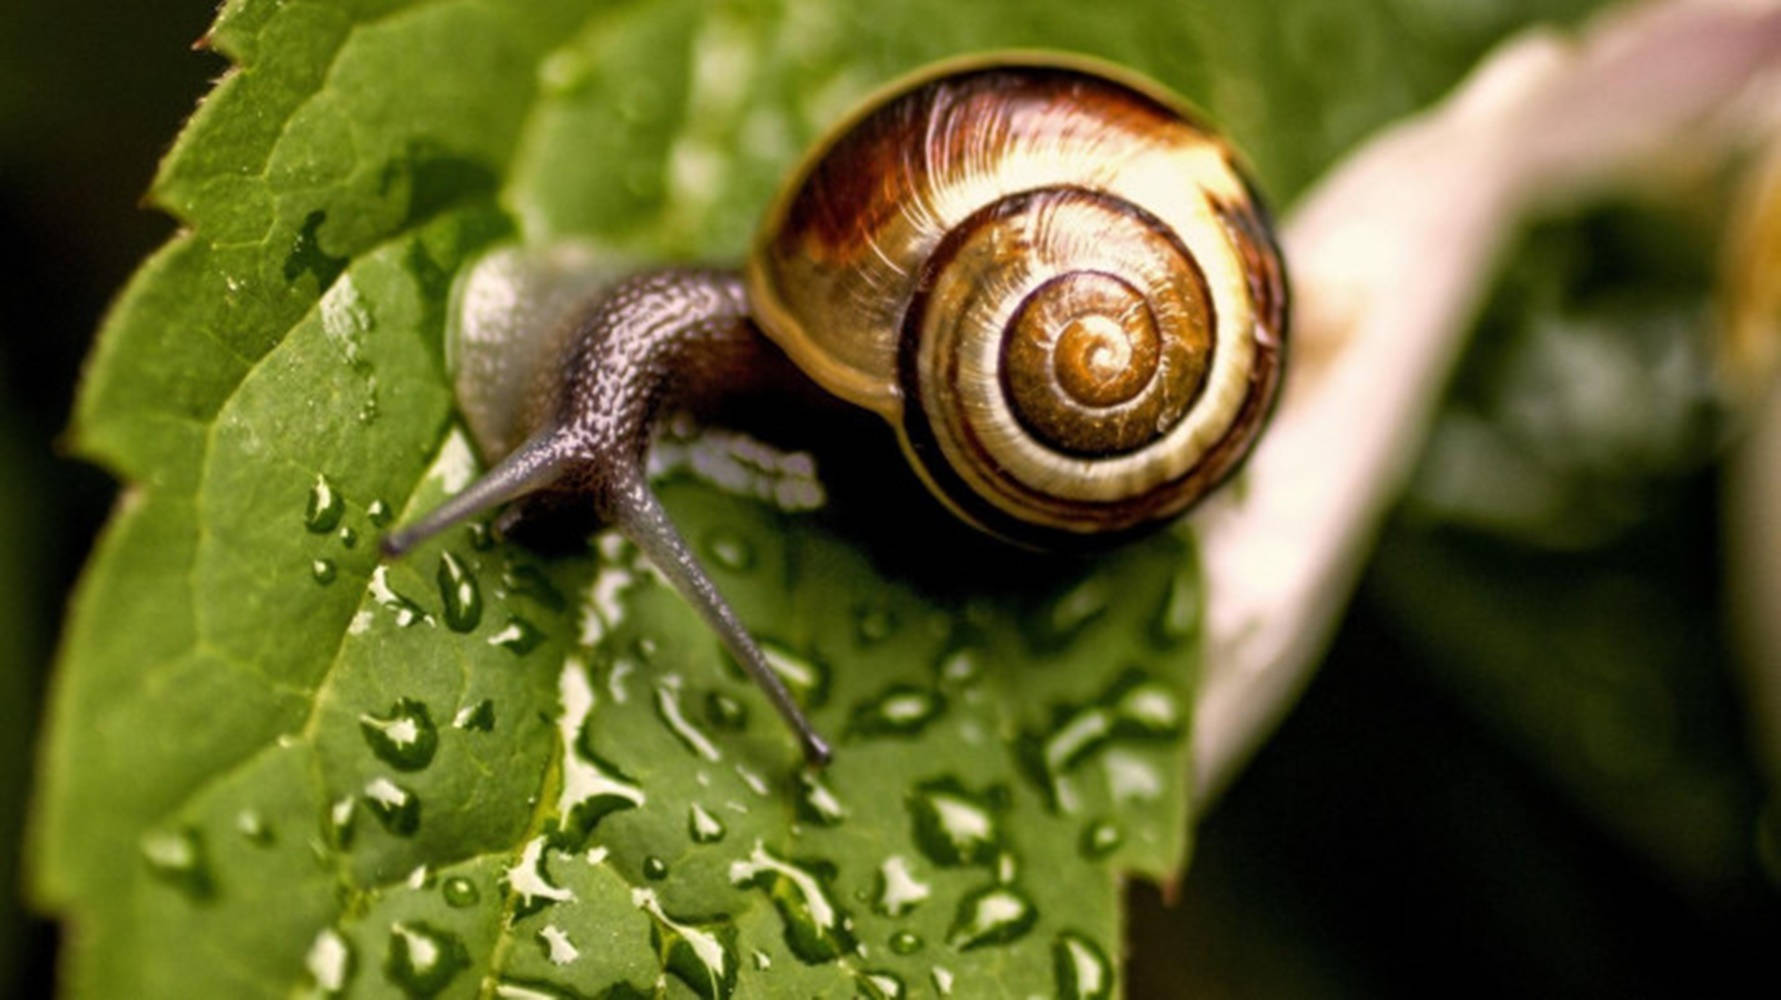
1050 277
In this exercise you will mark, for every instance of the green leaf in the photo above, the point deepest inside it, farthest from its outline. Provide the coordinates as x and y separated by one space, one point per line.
276 766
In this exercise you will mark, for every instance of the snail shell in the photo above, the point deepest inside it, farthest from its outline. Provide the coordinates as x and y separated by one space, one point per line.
1044 272
1049 276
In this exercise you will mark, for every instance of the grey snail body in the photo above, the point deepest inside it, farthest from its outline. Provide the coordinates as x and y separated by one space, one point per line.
1045 273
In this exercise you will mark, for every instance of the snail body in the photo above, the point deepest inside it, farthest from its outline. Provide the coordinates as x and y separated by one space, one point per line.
1046 274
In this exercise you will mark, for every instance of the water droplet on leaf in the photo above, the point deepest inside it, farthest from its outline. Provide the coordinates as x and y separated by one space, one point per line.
558 949
897 890
519 636
251 824
329 962
397 808
1101 838
423 959
668 709
325 507
703 827
874 624
378 513
1083 972
816 928
405 738
459 595
178 857
880 985
996 914
479 717
730 550
700 952
725 712
954 826
901 710
459 892
816 803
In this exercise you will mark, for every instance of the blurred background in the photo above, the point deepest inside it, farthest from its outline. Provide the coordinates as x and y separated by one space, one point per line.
1527 764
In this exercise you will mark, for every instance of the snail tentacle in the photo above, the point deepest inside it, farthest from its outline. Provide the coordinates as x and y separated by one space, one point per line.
653 341
530 467
637 512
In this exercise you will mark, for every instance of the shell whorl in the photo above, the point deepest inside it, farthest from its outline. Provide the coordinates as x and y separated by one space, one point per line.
1055 283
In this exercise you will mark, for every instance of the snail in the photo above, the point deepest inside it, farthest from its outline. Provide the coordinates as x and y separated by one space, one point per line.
1050 277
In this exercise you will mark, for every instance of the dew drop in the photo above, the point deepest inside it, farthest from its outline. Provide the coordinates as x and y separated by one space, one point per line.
953 826
592 786
459 595
405 738
1072 740
816 802
1134 707
996 914
703 827
762 960
1083 972
342 816
615 679
519 636
558 949
881 985
1130 778
423 959
529 880
1149 710
816 928
325 507
668 709
874 624
397 808
459 892
1006 867
942 978
755 783
348 537
1074 611
699 952
654 868
378 513
479 717
329 962
252 825
1100 838
960 667
730 550
725 712
806 678
178 857
322 571
901 710
406 611
905 943
897 890
532 989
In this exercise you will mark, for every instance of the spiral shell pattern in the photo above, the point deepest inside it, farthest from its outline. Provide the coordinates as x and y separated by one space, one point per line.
1049 277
